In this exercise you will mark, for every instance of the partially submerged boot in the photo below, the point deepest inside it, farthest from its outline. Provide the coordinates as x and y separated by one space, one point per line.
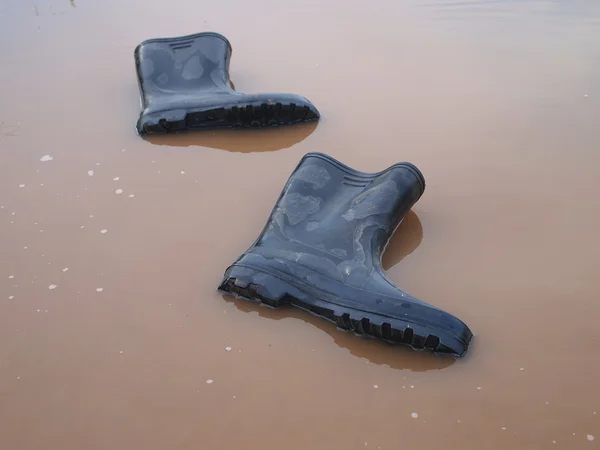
321 251
184 84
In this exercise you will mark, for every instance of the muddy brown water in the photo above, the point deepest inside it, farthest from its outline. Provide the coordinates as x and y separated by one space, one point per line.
496 101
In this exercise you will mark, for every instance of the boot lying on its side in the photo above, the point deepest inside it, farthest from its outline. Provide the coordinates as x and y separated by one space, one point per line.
184 84
321 251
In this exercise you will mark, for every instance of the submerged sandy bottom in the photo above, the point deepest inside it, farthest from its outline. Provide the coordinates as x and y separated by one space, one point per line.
112 335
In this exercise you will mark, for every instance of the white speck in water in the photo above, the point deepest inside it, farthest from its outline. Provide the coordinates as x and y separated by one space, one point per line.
403 387
414 415
182 172
594 412
586 95
15 214
38 310
52 287
18 378
234 396
116 179
503 428
546 403
97 164
375 386
121 352
65 269
21 185
522 369
91 173
10 297
99 289
46 158
227 349
590 437
91 216
119 191
412 386
25 248
554 442
478 388
104 231
209 381
458 421
131 195
10 277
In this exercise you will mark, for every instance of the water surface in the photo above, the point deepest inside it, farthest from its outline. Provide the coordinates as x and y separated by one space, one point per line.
497 102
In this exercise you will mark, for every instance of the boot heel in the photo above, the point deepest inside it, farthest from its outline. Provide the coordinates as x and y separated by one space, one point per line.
255 285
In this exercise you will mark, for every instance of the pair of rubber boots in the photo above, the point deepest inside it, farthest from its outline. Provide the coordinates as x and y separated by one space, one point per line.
322 245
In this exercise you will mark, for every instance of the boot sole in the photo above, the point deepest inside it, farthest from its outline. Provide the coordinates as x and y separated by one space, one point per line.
266 288
254 115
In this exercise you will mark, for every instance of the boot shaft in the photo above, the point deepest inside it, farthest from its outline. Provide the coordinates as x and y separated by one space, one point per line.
348 214
186 64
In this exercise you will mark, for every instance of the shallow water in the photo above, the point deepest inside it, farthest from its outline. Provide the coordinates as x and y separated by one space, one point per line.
497 102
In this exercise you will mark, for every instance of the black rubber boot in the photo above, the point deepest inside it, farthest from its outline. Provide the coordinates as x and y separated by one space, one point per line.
184 84
321 251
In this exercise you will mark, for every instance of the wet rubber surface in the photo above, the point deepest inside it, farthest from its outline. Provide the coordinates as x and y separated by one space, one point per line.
185 85
321 251
131 347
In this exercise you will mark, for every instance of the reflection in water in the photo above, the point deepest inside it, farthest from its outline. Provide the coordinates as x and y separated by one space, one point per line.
243 141
375 351
405 240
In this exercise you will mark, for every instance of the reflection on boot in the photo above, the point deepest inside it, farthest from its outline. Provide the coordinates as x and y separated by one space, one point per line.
184 85
321 250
